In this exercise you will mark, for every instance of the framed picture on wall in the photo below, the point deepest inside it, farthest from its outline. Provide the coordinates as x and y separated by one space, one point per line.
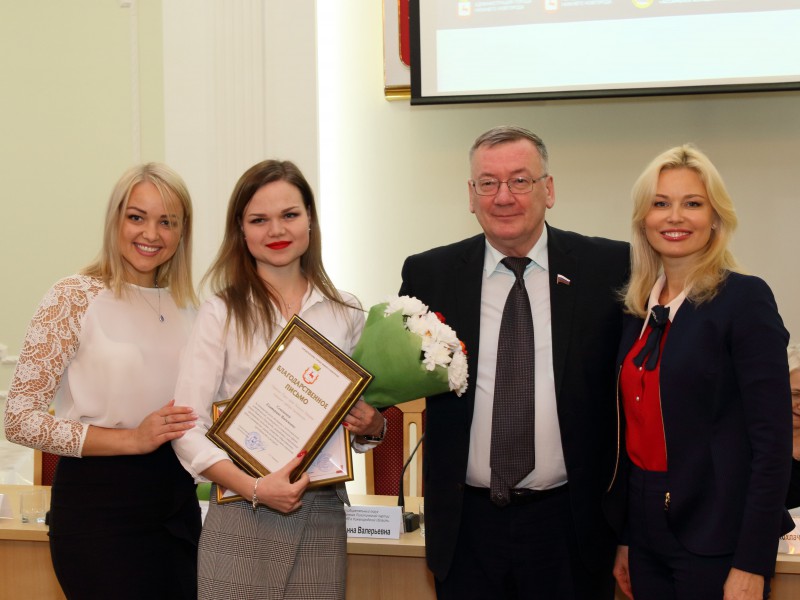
396 50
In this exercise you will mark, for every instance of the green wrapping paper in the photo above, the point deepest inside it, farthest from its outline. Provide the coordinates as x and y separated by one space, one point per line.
393 355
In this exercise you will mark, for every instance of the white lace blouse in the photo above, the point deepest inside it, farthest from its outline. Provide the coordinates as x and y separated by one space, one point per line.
216 366
102 360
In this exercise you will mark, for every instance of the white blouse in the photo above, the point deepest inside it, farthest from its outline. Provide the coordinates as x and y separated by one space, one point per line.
102 360
216 365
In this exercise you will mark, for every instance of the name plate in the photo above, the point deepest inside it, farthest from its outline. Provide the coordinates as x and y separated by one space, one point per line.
374 521
790 543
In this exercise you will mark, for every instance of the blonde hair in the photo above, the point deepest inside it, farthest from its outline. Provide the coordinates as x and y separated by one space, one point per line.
176 273
715 261
793 352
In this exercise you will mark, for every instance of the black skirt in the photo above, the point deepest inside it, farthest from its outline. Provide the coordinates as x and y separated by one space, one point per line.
125 527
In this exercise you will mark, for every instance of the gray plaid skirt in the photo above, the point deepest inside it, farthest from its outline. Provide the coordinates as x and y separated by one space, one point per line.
268 555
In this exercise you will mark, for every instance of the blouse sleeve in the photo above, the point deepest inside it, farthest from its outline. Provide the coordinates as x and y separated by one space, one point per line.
199 381
51 342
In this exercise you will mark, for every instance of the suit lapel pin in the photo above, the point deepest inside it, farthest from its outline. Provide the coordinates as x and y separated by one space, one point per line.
561 280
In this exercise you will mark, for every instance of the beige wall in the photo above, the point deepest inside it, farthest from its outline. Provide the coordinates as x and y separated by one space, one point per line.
71 123
239 86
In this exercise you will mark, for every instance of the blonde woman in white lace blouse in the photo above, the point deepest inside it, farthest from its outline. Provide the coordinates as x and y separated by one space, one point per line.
103 349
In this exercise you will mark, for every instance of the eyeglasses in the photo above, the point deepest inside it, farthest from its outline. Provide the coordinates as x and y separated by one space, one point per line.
516 185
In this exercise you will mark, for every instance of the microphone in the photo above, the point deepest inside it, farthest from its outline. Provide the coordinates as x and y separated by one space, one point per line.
410 520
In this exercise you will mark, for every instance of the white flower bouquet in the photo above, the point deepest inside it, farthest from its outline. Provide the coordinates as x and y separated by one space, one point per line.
411 353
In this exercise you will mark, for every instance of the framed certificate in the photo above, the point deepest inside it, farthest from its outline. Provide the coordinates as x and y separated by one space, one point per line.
333 464
295 399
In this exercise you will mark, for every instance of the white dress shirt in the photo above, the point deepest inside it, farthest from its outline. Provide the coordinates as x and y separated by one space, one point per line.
550 470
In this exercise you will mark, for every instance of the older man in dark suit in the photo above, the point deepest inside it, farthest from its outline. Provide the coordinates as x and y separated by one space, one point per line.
515 468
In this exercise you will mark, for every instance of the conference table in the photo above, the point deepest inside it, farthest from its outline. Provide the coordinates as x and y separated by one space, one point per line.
385 569
25 567
378 569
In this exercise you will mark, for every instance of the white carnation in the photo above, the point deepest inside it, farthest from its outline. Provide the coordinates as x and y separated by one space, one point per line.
420 325
439 343
408 305
446 335
437 355
457 373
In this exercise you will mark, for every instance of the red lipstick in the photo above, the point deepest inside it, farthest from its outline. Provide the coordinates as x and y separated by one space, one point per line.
278 245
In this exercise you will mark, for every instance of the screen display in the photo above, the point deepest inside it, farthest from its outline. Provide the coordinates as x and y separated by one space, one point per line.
476 50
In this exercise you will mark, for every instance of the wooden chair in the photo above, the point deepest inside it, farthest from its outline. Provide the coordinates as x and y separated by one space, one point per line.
385 463
44 467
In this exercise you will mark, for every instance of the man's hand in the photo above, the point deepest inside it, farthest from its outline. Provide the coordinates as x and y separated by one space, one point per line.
741 585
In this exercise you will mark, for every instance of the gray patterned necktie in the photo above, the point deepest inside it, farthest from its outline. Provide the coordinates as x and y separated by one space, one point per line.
512 453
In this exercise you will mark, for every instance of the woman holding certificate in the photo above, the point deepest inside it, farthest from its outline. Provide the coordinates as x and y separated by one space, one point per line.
104 348
283 539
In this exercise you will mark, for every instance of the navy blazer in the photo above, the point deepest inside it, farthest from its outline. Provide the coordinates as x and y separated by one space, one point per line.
586 321
726 407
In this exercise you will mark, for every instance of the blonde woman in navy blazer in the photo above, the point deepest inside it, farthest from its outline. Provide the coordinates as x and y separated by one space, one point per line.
705 423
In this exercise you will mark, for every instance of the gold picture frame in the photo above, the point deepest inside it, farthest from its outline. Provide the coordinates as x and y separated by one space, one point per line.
294 399
339 469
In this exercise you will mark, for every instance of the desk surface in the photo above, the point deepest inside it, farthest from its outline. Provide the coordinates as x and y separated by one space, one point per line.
388 569
410 544
25 567
413 544
788 563
13 528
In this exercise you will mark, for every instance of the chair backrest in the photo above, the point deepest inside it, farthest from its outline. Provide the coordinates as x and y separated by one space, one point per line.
385 463
44 467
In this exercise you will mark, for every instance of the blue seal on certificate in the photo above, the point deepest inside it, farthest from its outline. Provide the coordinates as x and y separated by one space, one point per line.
323 462
253 441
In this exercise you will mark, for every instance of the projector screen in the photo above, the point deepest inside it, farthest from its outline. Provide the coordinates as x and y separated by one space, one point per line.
483 50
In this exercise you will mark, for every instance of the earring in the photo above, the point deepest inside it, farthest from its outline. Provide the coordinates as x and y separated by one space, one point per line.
713 226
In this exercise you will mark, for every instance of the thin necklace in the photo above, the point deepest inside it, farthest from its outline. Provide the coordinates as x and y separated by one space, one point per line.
289 309
155 310
290 306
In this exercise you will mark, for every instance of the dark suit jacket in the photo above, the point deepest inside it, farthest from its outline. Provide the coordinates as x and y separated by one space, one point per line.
726 405
586 323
